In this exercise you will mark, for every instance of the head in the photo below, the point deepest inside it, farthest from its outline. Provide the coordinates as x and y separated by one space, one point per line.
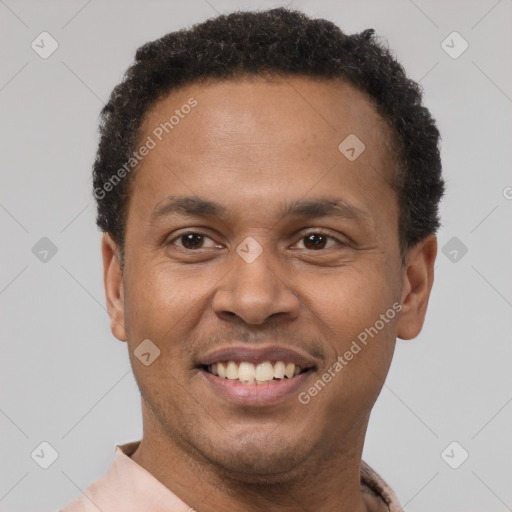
265 180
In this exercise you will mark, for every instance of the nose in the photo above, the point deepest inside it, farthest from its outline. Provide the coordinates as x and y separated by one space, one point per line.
254 292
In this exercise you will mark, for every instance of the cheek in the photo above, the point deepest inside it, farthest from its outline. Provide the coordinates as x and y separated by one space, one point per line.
157 301
356 315
352 298
160 308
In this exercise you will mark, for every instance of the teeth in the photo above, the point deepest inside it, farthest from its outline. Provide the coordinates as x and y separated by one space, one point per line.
290 370
247 373
264 372
232 371
279 370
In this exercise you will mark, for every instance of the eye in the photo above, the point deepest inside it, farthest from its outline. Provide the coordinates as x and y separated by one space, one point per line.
318 240
192 240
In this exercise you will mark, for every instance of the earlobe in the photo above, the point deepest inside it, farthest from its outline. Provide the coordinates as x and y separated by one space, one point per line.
418 278
114 286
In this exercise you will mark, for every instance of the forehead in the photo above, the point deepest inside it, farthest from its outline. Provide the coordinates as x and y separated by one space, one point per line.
250 110
254 138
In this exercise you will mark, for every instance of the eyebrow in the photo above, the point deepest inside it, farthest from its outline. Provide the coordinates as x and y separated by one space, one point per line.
193 206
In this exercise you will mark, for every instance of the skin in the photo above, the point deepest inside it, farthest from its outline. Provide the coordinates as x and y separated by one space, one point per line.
254 144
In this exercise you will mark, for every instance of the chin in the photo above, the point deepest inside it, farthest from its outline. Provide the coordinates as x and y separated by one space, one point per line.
261 460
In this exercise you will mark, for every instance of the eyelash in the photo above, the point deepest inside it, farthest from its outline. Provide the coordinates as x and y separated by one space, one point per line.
317 232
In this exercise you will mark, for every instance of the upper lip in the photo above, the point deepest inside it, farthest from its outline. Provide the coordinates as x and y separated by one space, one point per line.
258 355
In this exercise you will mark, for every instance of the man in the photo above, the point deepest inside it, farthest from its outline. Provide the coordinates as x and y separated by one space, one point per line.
268 190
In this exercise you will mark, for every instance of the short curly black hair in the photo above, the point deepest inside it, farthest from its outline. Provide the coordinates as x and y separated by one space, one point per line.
276 42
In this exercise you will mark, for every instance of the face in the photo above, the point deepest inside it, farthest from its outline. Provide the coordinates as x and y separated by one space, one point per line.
252 238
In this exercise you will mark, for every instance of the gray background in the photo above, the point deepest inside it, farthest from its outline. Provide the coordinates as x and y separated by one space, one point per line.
66 380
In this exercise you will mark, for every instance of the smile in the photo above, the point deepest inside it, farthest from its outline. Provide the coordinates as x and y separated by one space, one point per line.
246 372
255 376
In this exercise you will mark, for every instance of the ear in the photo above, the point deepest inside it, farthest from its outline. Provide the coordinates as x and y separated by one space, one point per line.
418 278
114 286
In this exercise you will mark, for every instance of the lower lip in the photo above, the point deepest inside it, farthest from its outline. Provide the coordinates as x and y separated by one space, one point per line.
256 394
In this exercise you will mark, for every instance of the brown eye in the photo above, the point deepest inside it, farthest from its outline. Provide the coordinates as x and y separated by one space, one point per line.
317 241
191 240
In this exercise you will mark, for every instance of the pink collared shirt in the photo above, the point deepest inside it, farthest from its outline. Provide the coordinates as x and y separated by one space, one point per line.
128 487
